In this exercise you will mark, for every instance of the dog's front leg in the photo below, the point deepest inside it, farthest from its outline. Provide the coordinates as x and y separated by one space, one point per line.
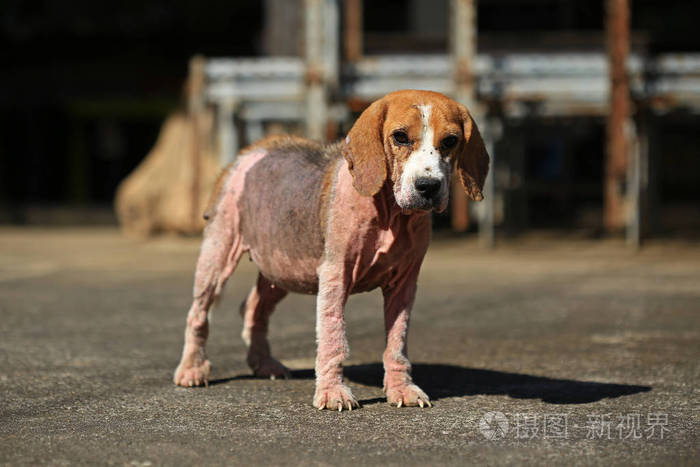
333 291
398 384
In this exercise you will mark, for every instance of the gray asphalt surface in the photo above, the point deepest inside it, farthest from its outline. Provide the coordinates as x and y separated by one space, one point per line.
542 351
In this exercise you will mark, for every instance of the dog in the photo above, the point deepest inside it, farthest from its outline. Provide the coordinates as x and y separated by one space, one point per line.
334 220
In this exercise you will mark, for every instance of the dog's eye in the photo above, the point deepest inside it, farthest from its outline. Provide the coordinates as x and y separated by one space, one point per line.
449 142
400 137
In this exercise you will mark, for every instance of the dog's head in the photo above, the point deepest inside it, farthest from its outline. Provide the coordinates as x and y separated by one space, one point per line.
416 138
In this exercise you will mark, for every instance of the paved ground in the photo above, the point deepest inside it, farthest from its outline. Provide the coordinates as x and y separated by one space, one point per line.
557 336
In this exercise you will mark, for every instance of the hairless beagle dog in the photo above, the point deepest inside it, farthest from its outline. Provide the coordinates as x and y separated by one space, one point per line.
335 220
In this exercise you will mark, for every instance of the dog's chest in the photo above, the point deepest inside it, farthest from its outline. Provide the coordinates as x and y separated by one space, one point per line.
394 251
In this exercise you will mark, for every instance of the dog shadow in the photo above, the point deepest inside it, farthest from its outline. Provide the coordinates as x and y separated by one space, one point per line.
441 381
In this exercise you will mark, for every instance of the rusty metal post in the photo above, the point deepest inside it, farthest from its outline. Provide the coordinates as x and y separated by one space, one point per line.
618 32
195 107
353 30
463 43
315 92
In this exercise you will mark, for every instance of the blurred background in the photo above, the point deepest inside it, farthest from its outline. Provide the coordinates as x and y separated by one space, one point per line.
589 108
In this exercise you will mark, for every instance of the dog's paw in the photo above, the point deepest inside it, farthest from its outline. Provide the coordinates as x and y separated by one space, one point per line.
192 375
270 368
336 397
409 395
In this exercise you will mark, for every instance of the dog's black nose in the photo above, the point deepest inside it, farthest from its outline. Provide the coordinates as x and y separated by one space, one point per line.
427 186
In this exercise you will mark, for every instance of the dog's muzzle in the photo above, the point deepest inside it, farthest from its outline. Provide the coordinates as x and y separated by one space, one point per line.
425 194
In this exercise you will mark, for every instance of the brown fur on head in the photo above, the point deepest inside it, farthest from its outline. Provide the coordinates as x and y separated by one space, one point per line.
364 150
473 160
417 137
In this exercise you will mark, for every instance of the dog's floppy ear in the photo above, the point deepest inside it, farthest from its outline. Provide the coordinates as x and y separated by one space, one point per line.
364 150
473 160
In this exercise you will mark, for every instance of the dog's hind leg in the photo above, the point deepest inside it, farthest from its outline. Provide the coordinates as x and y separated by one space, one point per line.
256 311
221 250
214 266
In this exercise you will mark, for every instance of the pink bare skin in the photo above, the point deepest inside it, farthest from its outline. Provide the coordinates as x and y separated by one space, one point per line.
326 220
256 311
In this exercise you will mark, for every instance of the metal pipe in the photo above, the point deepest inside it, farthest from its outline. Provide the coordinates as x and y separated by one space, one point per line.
353 30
